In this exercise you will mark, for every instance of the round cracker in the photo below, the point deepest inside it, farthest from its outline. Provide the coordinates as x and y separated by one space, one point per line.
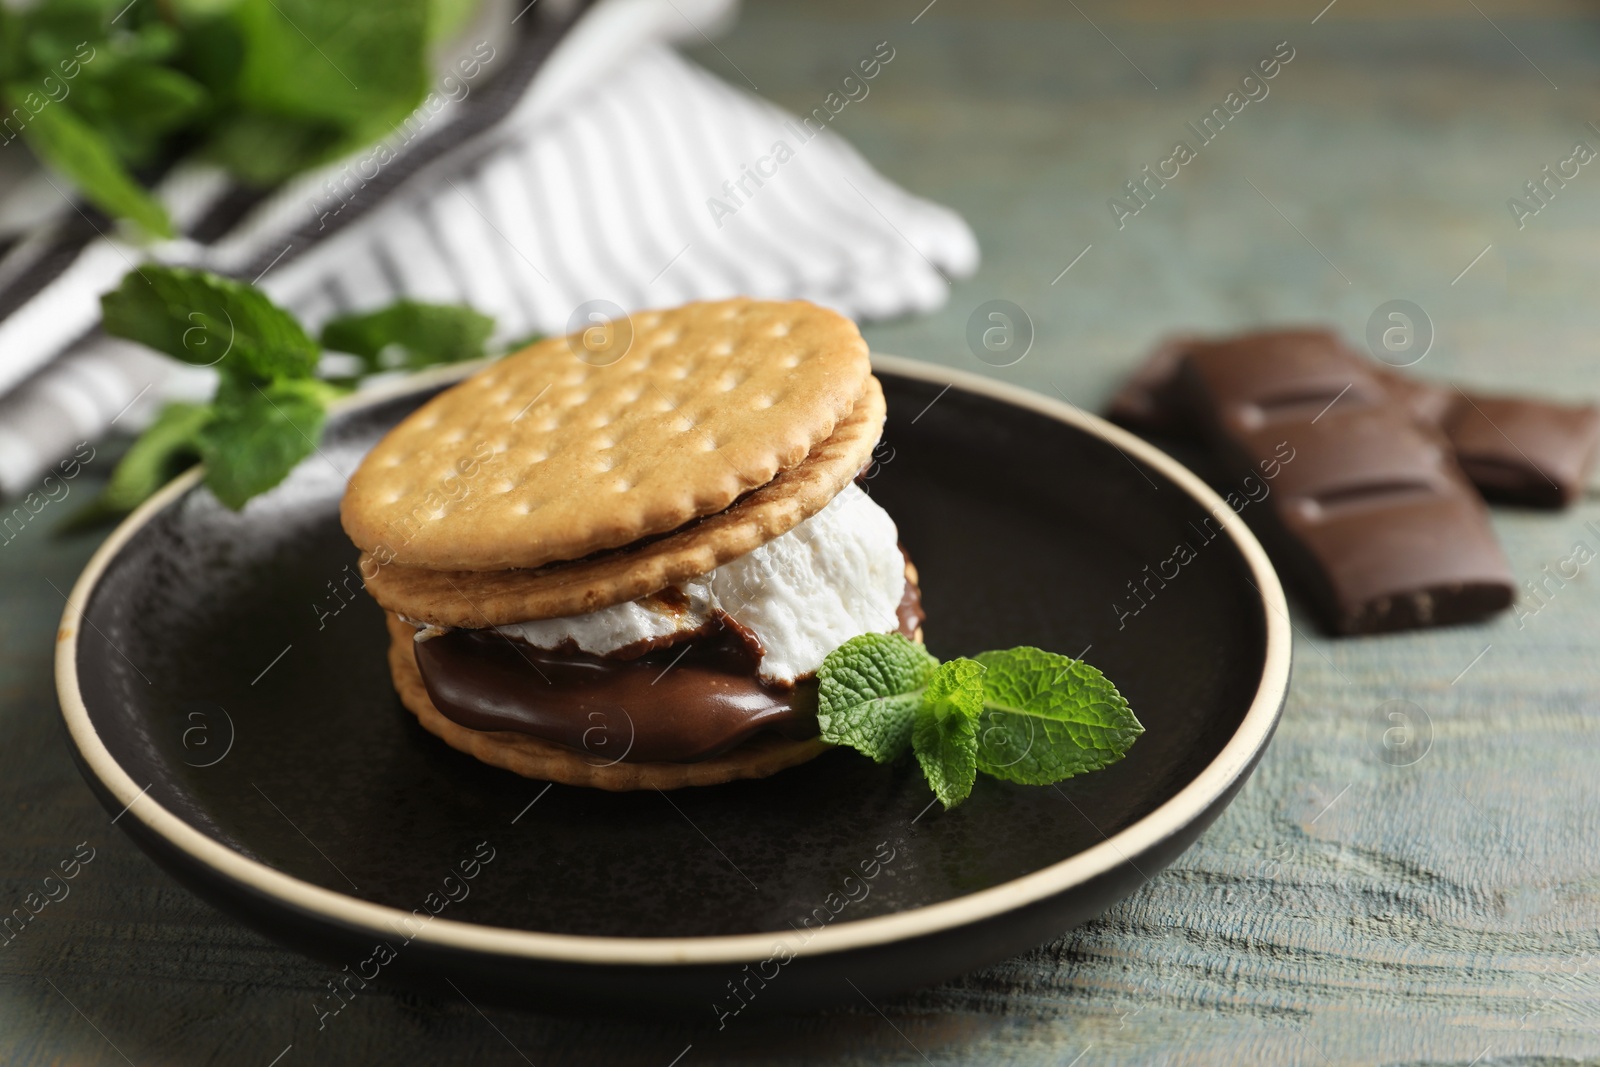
557 452
494 598
532 757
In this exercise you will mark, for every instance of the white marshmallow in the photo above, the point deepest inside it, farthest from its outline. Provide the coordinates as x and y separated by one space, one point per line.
837 575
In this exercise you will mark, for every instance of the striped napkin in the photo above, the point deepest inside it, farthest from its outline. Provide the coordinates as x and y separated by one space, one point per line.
595 168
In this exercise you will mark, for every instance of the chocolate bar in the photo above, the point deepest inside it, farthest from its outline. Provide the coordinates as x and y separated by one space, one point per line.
1369 507
1514 449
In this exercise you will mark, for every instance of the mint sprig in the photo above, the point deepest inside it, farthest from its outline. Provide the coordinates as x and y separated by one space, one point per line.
1023 714
269 408
108 93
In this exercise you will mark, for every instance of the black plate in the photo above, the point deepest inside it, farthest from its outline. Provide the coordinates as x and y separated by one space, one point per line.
226 687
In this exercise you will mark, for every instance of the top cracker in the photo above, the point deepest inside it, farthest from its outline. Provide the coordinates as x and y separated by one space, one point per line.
562 450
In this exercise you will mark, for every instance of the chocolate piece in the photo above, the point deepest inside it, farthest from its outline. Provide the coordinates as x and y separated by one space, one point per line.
1514 449
1368 506
1524 451
682 702
1146 402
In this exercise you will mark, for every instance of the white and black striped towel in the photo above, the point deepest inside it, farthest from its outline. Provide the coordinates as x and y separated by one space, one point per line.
619 171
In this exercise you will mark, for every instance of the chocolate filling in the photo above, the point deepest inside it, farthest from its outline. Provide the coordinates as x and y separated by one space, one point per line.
683 702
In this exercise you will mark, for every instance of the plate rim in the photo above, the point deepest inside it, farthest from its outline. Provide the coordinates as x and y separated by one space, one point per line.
1211 784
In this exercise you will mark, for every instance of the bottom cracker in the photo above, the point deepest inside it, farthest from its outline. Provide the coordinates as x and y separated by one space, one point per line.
532 757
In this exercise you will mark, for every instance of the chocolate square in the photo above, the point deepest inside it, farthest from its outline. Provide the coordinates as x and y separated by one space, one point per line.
1524 451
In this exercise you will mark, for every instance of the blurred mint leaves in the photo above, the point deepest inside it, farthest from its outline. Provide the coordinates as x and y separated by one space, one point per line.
106 92
204 319
1022 715
409 335
270 405
258 431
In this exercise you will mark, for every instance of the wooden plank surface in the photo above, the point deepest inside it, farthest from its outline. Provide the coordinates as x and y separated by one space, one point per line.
1353 906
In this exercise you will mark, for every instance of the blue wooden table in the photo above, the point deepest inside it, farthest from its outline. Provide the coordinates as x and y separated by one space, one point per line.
1354 905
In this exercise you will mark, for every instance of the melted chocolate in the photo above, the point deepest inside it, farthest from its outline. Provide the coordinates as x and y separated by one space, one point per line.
680 703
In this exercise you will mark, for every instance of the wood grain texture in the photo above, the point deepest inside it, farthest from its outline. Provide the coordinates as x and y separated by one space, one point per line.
1346 909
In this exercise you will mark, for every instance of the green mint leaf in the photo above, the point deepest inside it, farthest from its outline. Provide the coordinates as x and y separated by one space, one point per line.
137 104
357 64
263 150
410 335
1047 717
168 445
945 737
208 320
869 690
258 434
66 143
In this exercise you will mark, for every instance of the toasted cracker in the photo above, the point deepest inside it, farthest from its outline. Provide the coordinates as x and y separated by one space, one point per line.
494 598
555 452
533 757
